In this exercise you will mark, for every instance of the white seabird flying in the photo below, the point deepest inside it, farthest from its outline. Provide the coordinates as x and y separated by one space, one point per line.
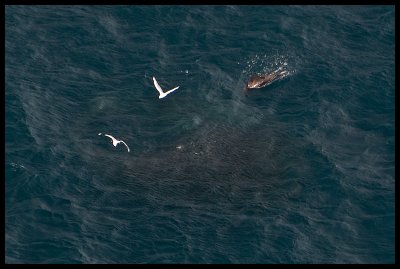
116 142
162 93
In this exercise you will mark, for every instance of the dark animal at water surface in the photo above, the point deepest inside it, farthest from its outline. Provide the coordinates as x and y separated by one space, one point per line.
259 81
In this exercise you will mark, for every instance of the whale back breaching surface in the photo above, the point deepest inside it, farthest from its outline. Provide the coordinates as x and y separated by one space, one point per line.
260 81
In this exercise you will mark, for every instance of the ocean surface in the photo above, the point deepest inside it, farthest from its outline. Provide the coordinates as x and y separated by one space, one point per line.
300 171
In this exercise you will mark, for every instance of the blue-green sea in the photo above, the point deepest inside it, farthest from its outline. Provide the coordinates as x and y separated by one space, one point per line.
299 171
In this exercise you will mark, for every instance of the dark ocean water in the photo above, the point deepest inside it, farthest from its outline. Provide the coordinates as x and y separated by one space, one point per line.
301 171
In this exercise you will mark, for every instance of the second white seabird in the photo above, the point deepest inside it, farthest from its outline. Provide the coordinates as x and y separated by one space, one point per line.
116 141
162 93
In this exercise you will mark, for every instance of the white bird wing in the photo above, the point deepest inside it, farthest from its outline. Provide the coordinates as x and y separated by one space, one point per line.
112 138
157 86
125 145
168 92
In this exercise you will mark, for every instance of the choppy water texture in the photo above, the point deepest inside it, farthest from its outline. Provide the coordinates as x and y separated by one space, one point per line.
301 171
